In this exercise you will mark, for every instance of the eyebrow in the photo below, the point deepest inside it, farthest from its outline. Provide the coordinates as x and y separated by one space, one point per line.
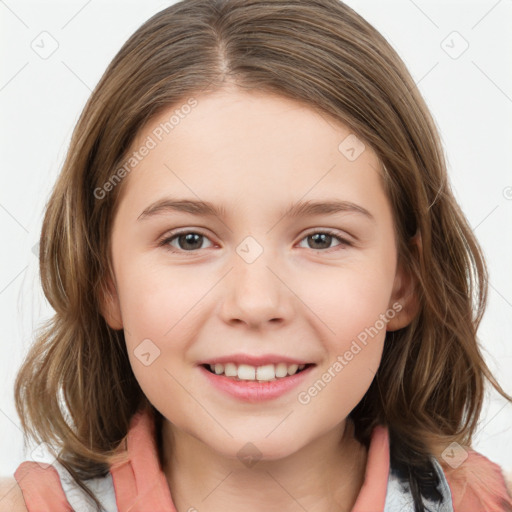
298 209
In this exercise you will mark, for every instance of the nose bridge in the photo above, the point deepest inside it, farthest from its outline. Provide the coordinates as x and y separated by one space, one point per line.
256 294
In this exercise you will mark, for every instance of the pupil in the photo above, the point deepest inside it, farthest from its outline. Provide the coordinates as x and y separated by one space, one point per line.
189 239
319 237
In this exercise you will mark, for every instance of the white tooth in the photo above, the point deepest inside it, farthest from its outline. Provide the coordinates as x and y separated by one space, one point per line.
219 368
212 367
246 372
230 370
281 370
292 369
266 372
301 366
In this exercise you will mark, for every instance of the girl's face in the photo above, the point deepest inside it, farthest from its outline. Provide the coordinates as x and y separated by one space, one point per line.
290 259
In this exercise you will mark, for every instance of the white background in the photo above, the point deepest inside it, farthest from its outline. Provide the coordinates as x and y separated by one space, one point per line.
40 101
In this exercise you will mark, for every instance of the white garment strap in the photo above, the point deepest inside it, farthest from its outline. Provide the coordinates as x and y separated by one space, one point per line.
102 488
399 497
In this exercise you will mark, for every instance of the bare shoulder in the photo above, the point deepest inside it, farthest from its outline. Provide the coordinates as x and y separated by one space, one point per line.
11 497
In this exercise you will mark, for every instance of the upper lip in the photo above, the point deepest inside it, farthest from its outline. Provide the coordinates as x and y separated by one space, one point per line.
254 360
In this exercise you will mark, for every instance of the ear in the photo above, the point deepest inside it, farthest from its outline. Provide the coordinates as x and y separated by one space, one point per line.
404 297
110 307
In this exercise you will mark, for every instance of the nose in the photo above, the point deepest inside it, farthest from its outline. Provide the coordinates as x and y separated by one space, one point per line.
255 292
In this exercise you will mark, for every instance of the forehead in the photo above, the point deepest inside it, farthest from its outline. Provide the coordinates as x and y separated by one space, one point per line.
249 148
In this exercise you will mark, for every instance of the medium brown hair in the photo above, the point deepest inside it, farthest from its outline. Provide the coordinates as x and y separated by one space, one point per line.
76 390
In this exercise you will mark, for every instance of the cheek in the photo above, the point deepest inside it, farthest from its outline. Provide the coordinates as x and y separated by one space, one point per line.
157 301
160 310
353 309
349 302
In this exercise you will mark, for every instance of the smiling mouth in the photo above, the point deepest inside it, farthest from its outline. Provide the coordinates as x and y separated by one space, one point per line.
265 373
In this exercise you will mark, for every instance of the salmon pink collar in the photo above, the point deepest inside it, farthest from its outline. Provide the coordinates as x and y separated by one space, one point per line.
140 483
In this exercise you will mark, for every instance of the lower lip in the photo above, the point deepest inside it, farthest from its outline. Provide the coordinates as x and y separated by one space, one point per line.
252 391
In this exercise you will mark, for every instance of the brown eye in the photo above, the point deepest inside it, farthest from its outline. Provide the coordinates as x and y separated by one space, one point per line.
186 241
322 240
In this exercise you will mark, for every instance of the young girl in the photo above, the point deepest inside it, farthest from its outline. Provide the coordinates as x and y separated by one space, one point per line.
260 367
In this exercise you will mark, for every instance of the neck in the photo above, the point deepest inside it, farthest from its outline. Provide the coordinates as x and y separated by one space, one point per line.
325 475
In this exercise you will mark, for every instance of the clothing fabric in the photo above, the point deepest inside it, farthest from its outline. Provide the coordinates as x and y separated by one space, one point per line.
139 484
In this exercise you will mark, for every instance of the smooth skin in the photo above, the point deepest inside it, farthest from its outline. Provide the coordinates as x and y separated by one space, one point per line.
11 497
254 154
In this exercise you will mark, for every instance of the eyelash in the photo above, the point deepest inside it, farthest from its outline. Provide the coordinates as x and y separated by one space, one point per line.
165 243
